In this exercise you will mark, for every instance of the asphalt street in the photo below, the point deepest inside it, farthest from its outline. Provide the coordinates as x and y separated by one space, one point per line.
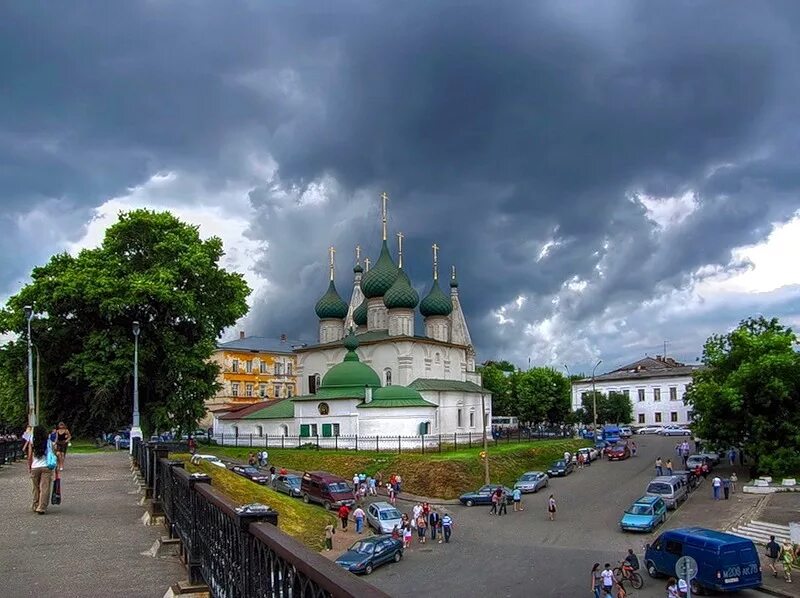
525 554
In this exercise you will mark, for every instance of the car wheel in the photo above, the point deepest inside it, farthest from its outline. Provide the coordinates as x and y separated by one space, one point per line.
651 570
306 499
469 503
368 570
697 589
326 505
397 556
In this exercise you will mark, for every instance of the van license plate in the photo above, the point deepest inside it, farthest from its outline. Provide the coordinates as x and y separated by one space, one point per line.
732 580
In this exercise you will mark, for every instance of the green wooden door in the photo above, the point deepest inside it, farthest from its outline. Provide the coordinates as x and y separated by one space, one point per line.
327 430
305 430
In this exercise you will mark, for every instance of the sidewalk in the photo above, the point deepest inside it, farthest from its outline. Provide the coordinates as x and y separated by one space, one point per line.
90 545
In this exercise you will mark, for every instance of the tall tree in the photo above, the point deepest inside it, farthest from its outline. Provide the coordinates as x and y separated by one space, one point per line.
541 395
151 268
617 408
496 378
748 394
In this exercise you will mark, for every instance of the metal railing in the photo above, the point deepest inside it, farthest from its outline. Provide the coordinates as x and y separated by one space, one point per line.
238 552
10 451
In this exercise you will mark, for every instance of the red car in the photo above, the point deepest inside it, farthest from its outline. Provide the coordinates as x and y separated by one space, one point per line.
618 452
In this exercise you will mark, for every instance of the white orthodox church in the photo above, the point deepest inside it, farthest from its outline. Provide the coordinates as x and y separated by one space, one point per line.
372 373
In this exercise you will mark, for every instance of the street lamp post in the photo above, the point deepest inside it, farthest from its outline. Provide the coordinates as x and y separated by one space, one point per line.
31 404
136 430
485 447
594 396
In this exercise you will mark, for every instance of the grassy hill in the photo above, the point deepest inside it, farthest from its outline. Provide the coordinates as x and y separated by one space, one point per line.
437 475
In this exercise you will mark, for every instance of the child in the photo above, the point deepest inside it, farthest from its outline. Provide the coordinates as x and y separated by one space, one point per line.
407 536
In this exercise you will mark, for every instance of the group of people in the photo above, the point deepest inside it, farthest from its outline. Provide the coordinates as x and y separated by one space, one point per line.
259 459
46 454
787 555
425 520
364 485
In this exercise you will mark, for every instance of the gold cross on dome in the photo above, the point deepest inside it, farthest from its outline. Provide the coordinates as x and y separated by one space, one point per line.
331 251
384 199
358 254
366 263
400 250
435 261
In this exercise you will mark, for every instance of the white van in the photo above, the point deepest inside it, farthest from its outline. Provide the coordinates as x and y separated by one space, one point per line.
669 487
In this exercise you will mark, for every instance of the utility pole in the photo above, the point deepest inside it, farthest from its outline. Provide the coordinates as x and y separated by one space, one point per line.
31 404
136 430
485 447
594 397
38 380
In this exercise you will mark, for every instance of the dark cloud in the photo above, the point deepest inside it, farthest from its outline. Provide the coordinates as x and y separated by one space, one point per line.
496 128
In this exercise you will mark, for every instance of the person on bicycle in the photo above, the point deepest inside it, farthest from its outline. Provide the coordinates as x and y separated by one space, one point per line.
632 560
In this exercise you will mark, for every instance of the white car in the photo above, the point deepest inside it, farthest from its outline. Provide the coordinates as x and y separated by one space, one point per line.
675 431
214 460
591 453
651 430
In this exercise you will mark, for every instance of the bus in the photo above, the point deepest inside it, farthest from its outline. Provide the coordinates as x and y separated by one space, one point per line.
504 422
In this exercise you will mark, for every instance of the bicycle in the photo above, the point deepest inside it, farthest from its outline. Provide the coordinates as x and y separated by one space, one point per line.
624 572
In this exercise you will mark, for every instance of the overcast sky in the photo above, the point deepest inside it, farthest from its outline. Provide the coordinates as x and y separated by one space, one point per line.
605 175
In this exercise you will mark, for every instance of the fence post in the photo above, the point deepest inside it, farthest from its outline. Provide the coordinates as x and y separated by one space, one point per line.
356 441
440 442
283 444
422 437
158 453
251 440
192 558
377 444
336 443
222 440
298 442
455 441
399 446
470 440
244 517
317 437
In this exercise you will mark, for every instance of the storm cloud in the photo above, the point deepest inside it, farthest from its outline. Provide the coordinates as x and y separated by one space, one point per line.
585 166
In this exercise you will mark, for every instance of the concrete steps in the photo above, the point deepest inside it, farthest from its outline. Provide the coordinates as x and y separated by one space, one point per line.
760 531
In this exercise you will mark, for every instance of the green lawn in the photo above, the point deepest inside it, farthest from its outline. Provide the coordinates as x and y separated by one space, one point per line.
83 445
437 475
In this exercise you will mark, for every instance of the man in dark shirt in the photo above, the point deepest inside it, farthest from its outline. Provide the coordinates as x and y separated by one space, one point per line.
632 560
773 551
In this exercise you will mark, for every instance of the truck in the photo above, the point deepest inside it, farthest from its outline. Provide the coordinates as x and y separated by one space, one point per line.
611 433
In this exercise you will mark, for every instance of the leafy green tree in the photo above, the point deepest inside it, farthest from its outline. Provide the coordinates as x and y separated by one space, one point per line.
617 409
748 393
541 394
496 378
588 406
151 268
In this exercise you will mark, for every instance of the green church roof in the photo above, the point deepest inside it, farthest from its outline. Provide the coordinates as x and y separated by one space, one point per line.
360 314
381 276
401 294
331 305
436 303
394 397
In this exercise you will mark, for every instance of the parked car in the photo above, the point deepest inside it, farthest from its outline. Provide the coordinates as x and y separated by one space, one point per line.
368 553
589 454
670 488
560 468
288 484
713 456
327 489
650 429
601 446
532 481
693 461
251 473
383 517
724 562
675 431
644 515
618 452
690 480
213 459
483 495
625 432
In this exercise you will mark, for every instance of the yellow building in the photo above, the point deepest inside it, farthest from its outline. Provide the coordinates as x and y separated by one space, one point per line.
253 369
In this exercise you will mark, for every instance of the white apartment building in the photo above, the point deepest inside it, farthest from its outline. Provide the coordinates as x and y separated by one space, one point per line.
655 386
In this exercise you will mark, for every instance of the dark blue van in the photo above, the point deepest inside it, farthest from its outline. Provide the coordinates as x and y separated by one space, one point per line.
724 562
611 433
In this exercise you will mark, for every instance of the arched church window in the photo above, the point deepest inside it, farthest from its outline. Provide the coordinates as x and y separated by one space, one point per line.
259 430
438 358
316 381
387 377
284 430
323 409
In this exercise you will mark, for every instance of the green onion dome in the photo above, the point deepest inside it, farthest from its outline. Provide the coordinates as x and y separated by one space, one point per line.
436 303
401 294
350 341
351 373
331 305
360 314
381 276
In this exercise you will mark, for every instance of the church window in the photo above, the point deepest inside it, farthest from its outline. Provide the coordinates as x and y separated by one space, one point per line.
284 430
236 431
335 429
424 428
387 377
235 366
316 381
259 430
471 419
323 409
438 358
459 419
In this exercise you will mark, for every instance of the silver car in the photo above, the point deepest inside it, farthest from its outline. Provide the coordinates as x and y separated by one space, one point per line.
383 517
288 484
532 481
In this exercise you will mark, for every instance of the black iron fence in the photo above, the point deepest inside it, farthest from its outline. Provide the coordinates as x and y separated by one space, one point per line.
429 443
238 552
10 451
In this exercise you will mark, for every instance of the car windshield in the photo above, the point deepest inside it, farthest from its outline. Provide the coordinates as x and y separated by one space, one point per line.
390 514
559 464
213 459
659 488
338 487
292 481
250 470
530 477
641 510
363 547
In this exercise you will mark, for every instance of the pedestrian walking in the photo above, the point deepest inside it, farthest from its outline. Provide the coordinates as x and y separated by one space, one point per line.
517 497
399 484
63 438
434 521
716 485
359 515
734 479
502 502
596 581
447 527
732 456
773 552
344 513
41 472
495 498
330 529
672 588
422 528
372 486
551 507
272 475
726 487
416 511
659 467
355 483
192 445
392 494
633 449
787 559
407 535
607 575
669 466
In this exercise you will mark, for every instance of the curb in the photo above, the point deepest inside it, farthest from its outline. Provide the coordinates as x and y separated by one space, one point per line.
773 592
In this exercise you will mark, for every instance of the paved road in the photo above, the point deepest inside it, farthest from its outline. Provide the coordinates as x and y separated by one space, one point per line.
524 554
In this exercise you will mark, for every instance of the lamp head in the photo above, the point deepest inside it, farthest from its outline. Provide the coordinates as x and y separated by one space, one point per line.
136 328
28 311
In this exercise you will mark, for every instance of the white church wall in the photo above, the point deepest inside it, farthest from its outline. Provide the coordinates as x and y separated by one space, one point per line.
394 422
458 412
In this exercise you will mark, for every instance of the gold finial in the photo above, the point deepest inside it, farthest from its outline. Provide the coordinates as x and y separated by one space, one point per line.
331 251
435 261
453 272
400 250
358 254
366 264
384 199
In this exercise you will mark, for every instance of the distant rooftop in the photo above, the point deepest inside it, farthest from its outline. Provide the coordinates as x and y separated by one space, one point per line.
649 367
265 344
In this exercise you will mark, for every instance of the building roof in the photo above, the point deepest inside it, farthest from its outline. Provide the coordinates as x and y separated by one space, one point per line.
331 305
274 409
381 276
396 396
438 384
378 336
435 303
260 344
649 367
401 294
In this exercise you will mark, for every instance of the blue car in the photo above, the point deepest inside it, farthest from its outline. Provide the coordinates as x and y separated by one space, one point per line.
365 555
483 495
644 515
